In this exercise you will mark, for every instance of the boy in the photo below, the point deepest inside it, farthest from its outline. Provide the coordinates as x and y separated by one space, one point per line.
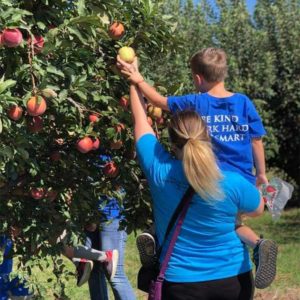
236 130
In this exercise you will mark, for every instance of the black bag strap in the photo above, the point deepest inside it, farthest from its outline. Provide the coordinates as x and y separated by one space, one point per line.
189 192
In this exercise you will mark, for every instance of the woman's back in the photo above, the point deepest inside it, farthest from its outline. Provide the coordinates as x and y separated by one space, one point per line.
207 247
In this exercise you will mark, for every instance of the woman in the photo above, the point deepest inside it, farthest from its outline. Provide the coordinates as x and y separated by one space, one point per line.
208 261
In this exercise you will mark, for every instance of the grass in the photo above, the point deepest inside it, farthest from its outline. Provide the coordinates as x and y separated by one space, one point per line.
286 232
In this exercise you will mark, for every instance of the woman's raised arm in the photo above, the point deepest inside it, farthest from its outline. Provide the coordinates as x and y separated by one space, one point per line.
141 125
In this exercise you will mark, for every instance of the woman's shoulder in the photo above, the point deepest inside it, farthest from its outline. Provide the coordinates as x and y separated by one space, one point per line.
151 153
233 181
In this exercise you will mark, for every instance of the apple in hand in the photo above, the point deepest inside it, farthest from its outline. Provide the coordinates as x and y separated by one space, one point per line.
127 54
154 112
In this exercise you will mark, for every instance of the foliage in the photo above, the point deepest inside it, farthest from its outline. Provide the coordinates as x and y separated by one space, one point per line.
77 68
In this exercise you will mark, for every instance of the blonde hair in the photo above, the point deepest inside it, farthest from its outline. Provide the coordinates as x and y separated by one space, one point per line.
188 132
211 63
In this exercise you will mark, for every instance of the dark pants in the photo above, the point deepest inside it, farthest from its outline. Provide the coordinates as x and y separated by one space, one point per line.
239 287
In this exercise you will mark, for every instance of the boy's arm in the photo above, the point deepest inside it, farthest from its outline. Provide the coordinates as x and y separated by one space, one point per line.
133 74
259 161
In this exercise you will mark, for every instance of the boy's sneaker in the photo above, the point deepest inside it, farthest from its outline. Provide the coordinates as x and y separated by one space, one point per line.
145 243
111 263
264 257
84 269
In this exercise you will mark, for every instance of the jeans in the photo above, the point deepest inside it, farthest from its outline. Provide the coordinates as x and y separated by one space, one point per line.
107 238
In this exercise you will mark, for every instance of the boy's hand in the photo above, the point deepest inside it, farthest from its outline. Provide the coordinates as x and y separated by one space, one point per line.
261 179
130 70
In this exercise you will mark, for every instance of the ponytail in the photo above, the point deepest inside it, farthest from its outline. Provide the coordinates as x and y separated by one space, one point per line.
200 169
188 133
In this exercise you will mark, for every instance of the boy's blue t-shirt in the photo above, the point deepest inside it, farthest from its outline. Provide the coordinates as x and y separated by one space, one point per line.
232 121
208 247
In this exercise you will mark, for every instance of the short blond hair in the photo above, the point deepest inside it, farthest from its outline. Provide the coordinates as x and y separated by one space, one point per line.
211 63
188 132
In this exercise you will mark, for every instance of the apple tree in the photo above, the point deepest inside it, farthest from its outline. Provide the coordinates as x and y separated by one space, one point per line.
63 103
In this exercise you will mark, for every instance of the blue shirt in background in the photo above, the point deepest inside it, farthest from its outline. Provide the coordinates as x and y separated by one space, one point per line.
232 121
208 247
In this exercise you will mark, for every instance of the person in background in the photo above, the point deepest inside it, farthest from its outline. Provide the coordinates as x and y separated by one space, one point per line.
15 288
107 236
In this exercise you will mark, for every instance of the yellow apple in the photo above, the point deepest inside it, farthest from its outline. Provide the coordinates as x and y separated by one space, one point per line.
154 112
127 54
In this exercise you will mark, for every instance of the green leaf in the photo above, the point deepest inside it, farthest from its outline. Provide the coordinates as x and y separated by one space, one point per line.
80 94
7 84
53 70
92 20
81 7
78 34
1 126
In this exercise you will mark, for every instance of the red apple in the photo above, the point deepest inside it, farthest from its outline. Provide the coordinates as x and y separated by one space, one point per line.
111 169
37 193
84 145
93 118
116 30
96 144
15 112
36 106
11 38
38 43
35 124
124 101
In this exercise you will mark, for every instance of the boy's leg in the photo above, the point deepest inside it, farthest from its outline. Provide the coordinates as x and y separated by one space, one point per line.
264 255
97 282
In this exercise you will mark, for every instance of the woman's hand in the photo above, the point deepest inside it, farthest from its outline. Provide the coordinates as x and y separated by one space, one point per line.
131 71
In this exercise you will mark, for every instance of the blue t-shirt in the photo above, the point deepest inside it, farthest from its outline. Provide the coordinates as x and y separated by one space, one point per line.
208 247
232 121
110 208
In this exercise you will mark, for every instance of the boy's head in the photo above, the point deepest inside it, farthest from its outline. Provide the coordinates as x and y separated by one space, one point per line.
209 66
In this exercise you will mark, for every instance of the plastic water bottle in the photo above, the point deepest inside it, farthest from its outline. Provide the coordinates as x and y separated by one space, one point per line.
276 194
